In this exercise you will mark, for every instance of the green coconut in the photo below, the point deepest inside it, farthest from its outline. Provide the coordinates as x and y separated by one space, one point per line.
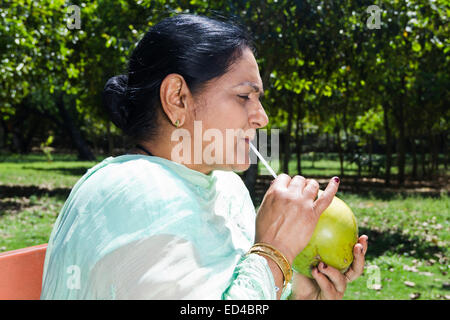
332 242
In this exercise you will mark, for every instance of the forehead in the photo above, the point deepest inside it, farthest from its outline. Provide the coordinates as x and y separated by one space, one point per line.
243 72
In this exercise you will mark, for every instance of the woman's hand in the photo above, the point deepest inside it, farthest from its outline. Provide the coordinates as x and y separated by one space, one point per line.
328 282
289 213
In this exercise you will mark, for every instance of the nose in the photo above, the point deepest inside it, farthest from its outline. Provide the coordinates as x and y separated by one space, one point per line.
258 117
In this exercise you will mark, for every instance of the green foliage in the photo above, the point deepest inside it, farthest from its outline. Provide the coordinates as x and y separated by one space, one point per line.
319 62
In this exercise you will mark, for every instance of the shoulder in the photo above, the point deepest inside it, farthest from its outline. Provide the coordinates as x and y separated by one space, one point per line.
130 171
130 182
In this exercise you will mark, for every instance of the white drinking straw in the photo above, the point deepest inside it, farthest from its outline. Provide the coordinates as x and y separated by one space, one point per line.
262 160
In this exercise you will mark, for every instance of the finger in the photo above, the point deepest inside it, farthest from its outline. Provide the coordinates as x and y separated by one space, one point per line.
282 181
325 285
303 286
297 184
327 195
311 189
357 267
364 240
338 279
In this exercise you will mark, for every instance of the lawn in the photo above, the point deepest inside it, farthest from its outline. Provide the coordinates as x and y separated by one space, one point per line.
408 246
32 192
408 234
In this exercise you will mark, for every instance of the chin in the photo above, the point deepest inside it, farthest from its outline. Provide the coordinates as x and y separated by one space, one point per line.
233 167
240 167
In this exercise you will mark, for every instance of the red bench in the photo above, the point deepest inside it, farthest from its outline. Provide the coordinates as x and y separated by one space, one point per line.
21 273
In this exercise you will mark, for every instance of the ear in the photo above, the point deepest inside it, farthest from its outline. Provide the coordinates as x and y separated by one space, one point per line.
173 94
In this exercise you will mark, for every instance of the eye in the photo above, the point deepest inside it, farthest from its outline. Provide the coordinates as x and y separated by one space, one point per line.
244 97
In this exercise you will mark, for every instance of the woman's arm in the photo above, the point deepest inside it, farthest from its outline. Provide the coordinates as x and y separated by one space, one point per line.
156 267
168 267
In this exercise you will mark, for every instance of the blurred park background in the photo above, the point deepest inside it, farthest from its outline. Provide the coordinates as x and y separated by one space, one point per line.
364 101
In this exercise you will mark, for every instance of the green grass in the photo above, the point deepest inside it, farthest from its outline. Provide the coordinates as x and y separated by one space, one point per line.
32 192
408 235
27 221
35 170
408 242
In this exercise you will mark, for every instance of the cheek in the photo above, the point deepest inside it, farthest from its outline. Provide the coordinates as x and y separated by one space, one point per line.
221 115
224 114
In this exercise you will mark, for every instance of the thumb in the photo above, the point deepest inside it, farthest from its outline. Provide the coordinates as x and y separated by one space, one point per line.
327 196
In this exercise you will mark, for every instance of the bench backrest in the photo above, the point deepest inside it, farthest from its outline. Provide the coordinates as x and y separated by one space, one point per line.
21 273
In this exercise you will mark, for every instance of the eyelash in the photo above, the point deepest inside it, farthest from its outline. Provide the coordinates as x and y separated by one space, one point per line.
244 97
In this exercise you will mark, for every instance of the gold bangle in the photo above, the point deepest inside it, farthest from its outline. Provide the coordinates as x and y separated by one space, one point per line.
279 258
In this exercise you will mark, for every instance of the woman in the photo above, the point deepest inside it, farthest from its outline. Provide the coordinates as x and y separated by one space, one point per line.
144 226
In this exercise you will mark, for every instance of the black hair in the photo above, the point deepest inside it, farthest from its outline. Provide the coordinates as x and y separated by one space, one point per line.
196 47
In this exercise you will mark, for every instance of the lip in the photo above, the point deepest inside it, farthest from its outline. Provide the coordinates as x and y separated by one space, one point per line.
248 138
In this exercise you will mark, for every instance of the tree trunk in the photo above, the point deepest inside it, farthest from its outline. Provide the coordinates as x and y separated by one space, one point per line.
25 126
17 140
299 144
444 148
358 176
401 154
388 137
287 141
414 158
434 156
340 151
109 137
84 153
2 134
17 129
423 158
370 152
400 119
347 146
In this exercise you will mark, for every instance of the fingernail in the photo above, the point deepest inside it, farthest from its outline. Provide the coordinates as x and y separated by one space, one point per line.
336 179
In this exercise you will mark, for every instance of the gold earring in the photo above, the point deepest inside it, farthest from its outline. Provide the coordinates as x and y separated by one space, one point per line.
177 123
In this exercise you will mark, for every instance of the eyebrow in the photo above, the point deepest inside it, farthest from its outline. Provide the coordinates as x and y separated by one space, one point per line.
253 85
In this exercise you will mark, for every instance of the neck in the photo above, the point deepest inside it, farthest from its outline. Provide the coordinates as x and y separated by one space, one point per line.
163 149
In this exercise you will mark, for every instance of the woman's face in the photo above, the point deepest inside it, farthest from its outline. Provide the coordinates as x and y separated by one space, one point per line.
227 113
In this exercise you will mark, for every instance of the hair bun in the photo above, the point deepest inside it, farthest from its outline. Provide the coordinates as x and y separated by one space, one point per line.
115 100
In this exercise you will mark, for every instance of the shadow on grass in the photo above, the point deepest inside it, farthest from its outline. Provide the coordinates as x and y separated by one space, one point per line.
381 242
12 206
390 194
366 188
72 171
28 191
36 157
